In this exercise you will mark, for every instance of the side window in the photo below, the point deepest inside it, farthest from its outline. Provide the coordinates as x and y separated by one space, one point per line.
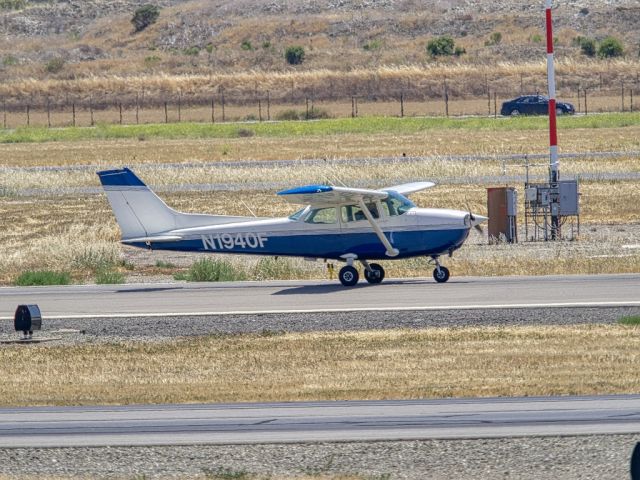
353 213
322 215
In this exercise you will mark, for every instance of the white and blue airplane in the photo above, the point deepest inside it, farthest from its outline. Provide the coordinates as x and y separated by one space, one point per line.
336 223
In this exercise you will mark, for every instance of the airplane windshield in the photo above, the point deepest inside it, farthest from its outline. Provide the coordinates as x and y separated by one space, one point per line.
296 216
396 204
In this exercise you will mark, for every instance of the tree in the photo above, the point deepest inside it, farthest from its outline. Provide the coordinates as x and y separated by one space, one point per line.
145 16
441 46
294 55
610 47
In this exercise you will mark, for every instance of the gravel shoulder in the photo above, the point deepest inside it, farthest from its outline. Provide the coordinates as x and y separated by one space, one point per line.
541 458
75 331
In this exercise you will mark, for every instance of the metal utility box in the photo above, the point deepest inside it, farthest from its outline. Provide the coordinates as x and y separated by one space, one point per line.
27 318
502 204
569 197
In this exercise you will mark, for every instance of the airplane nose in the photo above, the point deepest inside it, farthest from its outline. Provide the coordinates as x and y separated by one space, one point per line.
477 219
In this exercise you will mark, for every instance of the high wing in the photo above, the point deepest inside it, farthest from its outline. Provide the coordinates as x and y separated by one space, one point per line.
329 196
408 188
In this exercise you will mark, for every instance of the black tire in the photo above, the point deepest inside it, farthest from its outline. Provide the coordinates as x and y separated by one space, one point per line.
442 275
377 274
515 112
348 276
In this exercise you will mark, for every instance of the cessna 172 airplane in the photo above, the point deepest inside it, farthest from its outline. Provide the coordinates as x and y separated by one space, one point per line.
336 223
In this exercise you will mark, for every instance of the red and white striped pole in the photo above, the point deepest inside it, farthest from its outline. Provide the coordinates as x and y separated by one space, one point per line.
554 167
551 81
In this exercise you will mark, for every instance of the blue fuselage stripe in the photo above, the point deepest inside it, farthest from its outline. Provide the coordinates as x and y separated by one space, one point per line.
331 246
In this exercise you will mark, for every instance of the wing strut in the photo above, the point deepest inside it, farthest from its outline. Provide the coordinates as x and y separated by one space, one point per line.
391 252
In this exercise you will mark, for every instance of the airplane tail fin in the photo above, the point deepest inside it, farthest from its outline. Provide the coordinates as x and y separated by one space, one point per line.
141 214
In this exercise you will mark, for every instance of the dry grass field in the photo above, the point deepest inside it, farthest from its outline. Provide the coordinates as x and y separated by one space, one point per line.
397 364
77 232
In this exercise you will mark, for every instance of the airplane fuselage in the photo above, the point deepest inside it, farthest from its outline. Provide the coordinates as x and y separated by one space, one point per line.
417 232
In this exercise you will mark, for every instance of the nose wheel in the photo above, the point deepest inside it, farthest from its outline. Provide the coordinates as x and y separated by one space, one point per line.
440 273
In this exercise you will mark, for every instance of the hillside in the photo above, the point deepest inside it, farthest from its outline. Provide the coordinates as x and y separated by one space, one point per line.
72 39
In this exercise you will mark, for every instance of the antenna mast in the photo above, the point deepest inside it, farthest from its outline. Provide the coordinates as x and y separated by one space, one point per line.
554 165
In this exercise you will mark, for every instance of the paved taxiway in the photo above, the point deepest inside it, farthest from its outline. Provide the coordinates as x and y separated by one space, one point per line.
318 421
324 296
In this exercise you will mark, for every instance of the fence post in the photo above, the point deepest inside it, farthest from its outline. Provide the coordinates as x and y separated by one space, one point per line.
622 92
213 111
166 113
495 104
268 105
4 114
222 100
353 107
631 94
179 107
259 110
28 115
401 104
306 115
120 109
73 112
48 113
446 99
137 109
578 98
91 109
489 102
586 110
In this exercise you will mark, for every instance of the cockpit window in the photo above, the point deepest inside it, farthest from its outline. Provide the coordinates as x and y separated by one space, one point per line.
396 204
322 215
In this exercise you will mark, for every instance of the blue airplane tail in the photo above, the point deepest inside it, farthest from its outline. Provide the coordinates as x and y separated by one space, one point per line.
141 214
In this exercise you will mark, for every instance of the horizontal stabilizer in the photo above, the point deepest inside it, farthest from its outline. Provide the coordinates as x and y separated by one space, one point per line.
156 239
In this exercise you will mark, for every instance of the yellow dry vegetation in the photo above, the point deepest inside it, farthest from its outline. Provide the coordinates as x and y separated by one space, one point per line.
391 364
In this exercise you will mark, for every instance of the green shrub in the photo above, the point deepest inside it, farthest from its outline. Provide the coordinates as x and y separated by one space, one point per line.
192 51
245 132
152 60
145 16
208 270
372 45
536 38
441 46
587 45
494 39
43 277
9 61
630 320
163 264
54 65
270 268
459 51
246 45
316 113
266 44
12 4
294 55
610 47
289 114
109 277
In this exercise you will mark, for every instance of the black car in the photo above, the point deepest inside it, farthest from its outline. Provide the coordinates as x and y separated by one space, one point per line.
534 105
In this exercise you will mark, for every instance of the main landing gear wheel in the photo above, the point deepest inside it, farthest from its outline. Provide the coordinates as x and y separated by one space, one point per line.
348 276
441 274
376 275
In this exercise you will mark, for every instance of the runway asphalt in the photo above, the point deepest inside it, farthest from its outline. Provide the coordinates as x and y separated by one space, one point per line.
175 299
318 421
